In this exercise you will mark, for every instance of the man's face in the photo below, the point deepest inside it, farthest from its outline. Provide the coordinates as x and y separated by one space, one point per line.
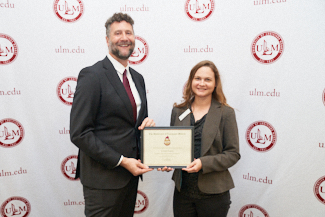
121 40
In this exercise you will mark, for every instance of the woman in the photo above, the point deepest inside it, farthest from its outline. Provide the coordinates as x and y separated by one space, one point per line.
202 188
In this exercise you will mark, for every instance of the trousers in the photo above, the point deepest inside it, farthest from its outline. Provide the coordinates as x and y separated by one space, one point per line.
111 202
214 206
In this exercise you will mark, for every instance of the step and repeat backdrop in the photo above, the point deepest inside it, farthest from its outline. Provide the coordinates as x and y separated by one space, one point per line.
270 54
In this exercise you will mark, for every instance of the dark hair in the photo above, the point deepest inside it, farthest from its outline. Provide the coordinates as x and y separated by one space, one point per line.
117 17
188 95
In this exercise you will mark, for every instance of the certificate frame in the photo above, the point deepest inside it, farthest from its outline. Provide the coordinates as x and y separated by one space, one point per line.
167 146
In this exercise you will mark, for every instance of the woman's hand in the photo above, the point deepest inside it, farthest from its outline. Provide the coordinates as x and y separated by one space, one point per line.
167 169
194 167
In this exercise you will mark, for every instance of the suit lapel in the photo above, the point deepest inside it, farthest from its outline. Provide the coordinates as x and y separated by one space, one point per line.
211 125
115 81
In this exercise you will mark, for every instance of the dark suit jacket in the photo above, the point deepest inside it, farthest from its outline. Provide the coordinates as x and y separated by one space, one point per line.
102 125
219 148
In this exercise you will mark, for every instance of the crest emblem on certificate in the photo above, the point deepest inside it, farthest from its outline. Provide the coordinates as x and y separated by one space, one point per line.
167 141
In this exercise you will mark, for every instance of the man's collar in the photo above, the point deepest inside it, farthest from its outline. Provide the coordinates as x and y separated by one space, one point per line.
117 65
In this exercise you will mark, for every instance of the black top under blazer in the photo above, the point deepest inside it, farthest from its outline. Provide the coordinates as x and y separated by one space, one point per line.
219 148
102 125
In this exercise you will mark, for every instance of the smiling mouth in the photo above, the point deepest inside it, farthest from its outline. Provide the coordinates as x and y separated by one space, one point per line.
124 45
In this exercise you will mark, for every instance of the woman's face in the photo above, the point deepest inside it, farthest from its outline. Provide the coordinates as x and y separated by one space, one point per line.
203 82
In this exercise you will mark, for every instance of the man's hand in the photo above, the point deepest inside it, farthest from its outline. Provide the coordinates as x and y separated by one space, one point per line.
194 167
147 122
134 166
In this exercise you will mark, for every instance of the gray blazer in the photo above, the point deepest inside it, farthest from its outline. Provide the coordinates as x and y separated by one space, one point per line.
219 148
102 125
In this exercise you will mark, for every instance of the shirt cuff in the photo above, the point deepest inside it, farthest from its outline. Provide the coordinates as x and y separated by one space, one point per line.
119 162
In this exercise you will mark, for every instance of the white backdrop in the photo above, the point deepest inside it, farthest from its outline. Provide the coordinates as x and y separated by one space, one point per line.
279 105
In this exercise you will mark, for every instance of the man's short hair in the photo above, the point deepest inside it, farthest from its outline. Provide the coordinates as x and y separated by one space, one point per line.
117 17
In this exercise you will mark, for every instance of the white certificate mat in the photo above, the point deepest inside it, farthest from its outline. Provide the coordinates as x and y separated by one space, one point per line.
167 146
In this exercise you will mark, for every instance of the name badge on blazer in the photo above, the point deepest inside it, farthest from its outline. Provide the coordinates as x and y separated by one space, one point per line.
182 116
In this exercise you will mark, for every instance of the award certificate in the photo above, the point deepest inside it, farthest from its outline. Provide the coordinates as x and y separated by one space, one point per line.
167 146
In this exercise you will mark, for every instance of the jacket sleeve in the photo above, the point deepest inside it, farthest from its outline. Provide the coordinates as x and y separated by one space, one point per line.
83 115
230 146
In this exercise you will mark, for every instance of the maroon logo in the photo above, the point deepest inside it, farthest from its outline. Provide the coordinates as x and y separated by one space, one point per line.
261 136
15 206
199 10
11 133
66 89
69 167
68 10
8 49
140 52
251 210
167 141
142 203
267 47
324 97
319 189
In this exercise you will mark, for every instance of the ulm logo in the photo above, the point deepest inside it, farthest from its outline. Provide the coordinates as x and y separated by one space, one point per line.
267 47
252 210
261 136
319 189
140 52
199 10
15 206
8 49
66 89
11 133
69 167
141 203
68 10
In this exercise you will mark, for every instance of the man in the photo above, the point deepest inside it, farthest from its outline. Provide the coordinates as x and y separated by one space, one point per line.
108 111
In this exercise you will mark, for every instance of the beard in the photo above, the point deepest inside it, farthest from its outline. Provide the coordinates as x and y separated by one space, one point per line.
116 51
